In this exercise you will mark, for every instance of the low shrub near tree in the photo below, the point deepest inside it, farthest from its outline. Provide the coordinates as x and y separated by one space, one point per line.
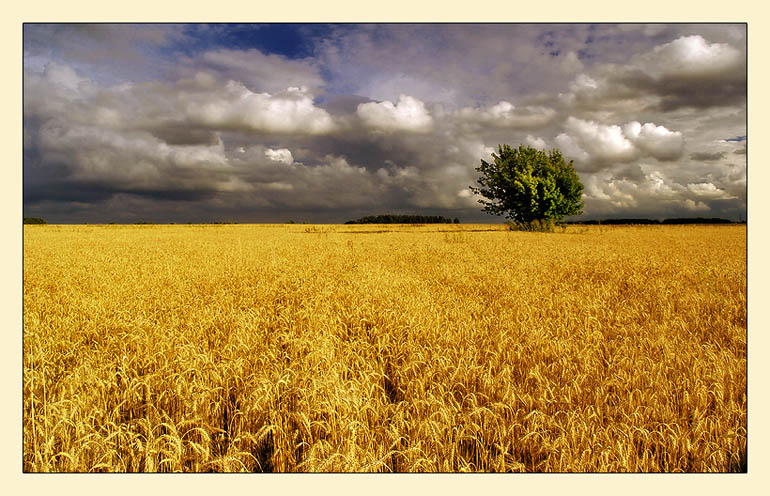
539 225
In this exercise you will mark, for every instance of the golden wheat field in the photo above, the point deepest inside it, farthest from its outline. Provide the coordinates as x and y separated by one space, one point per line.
436 348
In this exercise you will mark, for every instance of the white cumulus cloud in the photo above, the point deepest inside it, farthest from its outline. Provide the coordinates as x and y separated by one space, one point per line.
538 143
602 142
707 190
694 206
409 114
692 57
291 111
282 155
571 149
657 141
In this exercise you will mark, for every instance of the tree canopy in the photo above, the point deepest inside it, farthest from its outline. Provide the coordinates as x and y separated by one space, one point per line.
528 185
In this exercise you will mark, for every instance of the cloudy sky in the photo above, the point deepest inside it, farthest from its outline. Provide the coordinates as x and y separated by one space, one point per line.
326 123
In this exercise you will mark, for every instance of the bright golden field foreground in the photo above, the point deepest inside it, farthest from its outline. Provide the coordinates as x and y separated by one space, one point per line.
384 348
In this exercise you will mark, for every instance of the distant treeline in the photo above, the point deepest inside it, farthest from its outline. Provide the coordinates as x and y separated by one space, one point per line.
404 219
144 222
438 219
688 220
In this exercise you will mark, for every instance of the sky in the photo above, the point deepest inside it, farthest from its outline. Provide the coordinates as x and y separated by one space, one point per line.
332 122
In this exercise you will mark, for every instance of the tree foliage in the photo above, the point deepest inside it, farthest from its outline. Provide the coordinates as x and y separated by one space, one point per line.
528 185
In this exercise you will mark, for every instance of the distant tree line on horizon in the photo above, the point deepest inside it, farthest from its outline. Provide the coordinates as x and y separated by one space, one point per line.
404 219
437 219
679 220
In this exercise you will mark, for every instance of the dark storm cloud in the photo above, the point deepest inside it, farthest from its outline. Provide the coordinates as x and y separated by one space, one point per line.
369 118
109 52
678 93
341 105
629 172
65 191
689 71
98 192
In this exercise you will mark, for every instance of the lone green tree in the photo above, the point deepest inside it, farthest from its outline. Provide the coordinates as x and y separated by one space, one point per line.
529 186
